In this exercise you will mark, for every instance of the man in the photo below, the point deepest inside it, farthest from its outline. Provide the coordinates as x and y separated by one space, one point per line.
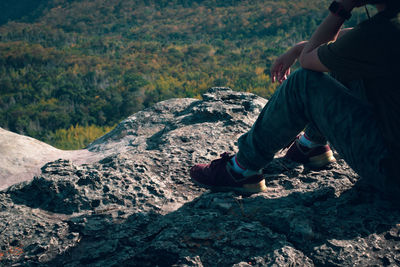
356 109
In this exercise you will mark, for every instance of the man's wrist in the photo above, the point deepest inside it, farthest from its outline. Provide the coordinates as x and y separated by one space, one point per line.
341 9
298 48
348 4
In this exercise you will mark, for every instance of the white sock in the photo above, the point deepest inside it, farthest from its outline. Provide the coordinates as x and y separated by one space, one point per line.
241 170
304 140
236 166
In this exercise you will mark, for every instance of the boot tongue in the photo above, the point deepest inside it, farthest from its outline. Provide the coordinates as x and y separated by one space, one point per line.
224 158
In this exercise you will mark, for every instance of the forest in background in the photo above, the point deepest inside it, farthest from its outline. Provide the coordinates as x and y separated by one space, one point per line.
72 68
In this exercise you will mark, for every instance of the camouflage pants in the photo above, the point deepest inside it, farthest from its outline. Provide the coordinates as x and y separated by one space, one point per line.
329 111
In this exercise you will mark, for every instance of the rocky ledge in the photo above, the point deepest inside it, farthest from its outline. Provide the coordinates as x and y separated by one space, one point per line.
136 206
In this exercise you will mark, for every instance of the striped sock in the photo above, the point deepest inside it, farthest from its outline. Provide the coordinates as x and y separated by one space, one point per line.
236 166
304 140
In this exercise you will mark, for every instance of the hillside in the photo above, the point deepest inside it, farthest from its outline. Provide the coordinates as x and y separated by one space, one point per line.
68 65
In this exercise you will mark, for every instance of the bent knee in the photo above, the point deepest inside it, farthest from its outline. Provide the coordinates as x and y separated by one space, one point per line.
308 74
311 80
307 84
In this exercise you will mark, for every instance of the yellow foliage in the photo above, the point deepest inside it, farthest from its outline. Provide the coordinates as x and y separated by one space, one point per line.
259 70
77 137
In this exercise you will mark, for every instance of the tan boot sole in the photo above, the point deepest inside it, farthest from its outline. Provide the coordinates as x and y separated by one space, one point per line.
322 160
246 189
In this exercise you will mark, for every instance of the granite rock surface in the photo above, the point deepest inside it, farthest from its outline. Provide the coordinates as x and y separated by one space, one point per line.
136 206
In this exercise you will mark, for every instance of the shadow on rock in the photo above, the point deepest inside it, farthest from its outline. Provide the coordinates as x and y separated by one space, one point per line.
221 229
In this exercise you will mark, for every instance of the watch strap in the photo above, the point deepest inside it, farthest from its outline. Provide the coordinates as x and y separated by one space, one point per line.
337 9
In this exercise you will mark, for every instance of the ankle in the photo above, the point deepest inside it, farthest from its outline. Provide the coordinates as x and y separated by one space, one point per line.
236 166
306 141
240 169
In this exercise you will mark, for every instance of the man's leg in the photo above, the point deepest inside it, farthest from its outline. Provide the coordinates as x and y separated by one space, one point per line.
314 134
309 97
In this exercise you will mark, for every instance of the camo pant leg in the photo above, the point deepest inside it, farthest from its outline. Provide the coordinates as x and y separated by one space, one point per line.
317 99
314 134
354 88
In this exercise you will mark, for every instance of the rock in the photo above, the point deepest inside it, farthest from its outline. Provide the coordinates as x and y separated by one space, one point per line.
21 157
133 204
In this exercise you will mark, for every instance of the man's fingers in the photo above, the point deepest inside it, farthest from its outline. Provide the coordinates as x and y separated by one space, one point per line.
273 75
279 73
275 72
282 78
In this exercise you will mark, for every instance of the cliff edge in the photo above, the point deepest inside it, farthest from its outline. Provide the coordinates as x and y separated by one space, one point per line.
133 204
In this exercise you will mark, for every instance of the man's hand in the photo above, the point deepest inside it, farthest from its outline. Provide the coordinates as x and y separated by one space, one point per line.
280 70
281 67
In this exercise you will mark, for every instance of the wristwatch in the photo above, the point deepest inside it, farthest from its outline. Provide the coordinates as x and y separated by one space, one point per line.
337 9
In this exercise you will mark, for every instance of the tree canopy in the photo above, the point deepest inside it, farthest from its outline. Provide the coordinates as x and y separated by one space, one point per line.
92 63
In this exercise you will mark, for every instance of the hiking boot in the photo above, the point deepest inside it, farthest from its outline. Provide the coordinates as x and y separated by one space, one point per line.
314 158
219 176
